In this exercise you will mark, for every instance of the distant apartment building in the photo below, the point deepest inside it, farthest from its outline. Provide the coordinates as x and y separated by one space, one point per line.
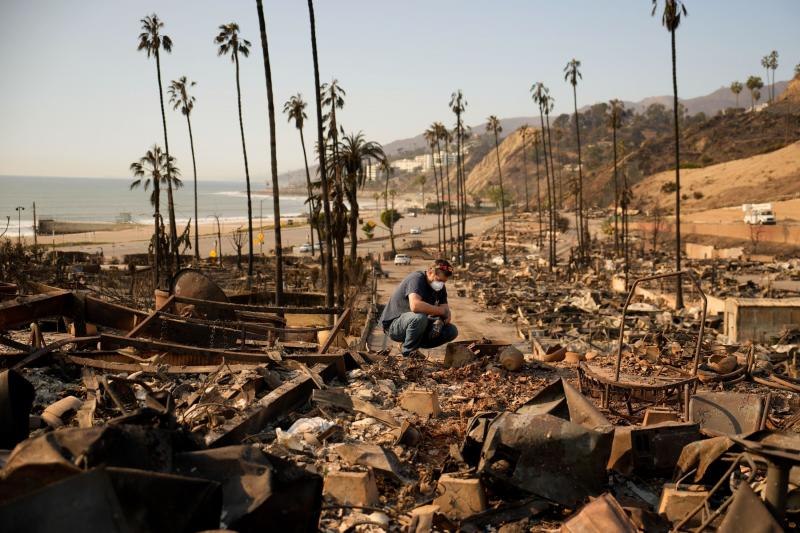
424 162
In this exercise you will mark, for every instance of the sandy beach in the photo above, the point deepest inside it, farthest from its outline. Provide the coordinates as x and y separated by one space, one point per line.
295 231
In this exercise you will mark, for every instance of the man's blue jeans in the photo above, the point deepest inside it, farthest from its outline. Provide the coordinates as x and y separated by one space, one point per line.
414 329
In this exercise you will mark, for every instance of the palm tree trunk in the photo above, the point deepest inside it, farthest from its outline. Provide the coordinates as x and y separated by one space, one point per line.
463 194
156 234
311 206
449 201
525 167
538 192
459 255
502 196
352 198
582 237
246 174
276 200
173 237
547 179
194 169
440 221
679 286
553 219
341 224
616 187
436 186
322 171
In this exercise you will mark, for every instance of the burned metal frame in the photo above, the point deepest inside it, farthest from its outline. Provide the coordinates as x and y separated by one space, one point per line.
661 392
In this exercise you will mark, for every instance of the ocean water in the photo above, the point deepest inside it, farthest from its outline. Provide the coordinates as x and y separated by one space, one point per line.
106 199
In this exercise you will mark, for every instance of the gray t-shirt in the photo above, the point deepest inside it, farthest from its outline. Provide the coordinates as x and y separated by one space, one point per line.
416 282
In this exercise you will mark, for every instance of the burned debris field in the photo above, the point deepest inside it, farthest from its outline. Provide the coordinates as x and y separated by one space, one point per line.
212 407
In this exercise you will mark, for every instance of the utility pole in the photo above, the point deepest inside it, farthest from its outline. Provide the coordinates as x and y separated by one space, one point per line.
35 240
19 209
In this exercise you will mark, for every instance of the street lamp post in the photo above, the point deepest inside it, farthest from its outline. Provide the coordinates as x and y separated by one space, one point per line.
19 209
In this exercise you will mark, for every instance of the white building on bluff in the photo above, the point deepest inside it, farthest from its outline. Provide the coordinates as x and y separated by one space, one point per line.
424 162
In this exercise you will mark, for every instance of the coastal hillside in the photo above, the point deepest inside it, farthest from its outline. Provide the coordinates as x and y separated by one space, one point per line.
646 152
762 178
484 173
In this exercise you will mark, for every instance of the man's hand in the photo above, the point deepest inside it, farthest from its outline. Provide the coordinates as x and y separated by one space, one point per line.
446 314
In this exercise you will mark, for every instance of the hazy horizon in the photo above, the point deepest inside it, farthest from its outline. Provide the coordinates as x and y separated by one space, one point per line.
81 101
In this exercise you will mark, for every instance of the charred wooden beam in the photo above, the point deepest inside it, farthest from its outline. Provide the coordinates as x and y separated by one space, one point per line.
50 348
112 316
335 330
276 405
114 366
143 324
211 355
256 308
26 309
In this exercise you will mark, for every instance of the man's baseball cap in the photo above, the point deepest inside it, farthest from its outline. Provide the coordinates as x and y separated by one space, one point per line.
444 266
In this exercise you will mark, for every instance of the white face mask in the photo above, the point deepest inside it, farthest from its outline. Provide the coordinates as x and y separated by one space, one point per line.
437 285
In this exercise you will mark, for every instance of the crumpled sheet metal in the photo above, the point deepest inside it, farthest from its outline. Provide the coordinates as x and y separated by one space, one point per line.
601 515
116 500
16 400
701 455
53 456
259 490
561 457
748 513
729 413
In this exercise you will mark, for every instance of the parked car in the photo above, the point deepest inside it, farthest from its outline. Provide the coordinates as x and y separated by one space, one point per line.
416 231
402 259
306 248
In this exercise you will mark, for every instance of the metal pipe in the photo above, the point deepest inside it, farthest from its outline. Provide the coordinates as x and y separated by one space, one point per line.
776 489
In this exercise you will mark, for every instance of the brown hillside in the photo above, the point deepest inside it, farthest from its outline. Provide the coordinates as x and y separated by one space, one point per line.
762 178
717 140
484 173
792 92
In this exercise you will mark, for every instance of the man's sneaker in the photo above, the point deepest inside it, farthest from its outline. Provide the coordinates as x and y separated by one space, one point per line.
415 354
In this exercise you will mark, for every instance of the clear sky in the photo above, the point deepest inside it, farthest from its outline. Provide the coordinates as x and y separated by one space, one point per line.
79 100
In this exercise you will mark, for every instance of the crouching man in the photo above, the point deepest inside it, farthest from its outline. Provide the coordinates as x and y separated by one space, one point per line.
417 313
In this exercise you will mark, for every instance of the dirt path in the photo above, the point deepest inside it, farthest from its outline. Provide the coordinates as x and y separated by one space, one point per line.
472 322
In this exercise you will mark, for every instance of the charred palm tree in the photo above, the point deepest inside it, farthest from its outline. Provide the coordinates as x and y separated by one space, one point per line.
525 132
493 126
615 111
230 43
537 139
674 11
179 97
458 105
431 138
541 96
273 151
333 99
154 169
152 42
295 109
447 138
572 74
322 169
354 151
549 105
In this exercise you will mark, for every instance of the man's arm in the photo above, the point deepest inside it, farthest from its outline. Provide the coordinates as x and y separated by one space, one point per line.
417 305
